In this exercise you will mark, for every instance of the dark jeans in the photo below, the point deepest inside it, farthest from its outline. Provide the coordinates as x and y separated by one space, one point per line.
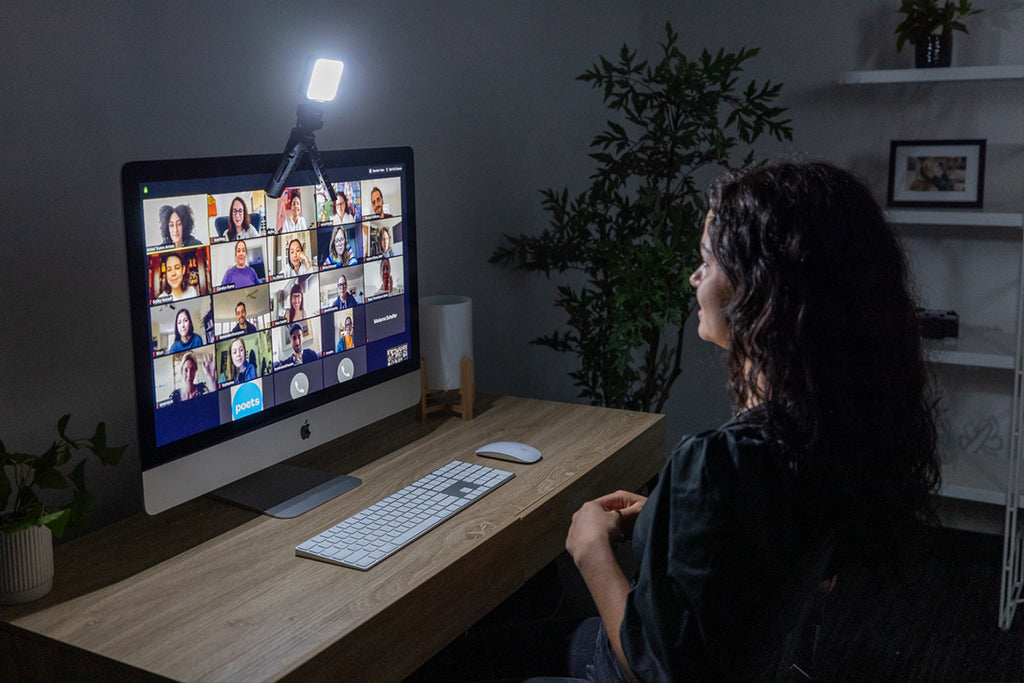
591 658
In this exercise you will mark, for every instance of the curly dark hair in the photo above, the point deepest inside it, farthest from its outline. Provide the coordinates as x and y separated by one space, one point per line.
184 212
824 340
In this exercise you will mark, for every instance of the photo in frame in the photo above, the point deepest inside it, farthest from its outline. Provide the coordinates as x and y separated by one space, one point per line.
936 173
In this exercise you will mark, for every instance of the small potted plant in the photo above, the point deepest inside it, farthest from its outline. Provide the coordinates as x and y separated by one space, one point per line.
929 25
27 528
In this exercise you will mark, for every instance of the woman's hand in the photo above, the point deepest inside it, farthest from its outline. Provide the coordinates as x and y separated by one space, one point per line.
602 522
210 366
628 505
595 526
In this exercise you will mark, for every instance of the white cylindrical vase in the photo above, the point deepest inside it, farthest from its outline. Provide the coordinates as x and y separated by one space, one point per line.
26 565
446 336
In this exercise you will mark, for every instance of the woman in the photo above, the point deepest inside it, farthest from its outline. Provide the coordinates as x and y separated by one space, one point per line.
339 253
176 225
832 444
343 212
294 220
241 274
239 227
184 333
188 367
387 282
296 310
241 369
297 262
384 243
175 277
345 338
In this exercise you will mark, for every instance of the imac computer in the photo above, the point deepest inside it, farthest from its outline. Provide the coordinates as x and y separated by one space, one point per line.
264 327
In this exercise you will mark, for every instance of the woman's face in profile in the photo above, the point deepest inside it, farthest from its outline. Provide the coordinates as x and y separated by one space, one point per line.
238 353
237 214
175 229
175 272
184 325
713 292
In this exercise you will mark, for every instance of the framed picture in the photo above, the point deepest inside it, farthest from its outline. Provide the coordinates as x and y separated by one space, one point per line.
937 173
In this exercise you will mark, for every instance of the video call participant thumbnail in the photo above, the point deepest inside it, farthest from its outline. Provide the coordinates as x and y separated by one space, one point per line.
385 197
341 288
241 311
171 223
383 318
168 326
194 375
239 222
185 335
383 242
339 246
346 332
242 359
296 299
289 212
179 275
294 254
238 273
177 225
384 277
292 347
346 208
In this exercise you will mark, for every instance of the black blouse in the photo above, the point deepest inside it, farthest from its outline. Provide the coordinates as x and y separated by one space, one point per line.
719 548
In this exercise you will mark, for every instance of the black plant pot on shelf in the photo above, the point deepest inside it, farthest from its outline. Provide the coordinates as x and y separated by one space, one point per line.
935 50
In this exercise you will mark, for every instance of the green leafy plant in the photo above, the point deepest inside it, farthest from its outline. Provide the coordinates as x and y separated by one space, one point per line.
634 233
25 475
925 17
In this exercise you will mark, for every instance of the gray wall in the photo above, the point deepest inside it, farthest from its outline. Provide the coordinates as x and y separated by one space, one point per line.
483 91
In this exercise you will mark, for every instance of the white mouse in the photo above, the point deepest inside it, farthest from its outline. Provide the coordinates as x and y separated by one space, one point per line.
510 450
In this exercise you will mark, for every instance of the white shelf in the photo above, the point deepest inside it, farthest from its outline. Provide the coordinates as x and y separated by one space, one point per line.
979 347
955 73
954 217
980 477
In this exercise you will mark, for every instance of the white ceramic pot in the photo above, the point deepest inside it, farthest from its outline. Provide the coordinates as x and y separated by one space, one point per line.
26 565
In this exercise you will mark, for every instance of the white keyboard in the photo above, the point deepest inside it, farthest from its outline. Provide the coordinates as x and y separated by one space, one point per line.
367 537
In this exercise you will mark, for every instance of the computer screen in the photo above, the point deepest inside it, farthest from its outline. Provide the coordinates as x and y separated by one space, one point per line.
261 326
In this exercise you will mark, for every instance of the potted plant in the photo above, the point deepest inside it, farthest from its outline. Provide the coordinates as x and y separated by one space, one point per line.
929 25
27 527
634 234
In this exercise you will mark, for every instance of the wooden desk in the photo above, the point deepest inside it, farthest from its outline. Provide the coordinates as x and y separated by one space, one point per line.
210 592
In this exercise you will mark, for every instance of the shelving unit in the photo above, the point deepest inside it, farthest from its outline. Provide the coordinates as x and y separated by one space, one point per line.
986 475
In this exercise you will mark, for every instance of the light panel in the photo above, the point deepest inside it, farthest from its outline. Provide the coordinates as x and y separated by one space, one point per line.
323 83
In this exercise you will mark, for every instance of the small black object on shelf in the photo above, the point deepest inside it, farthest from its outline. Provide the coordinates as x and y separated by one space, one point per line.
935 50
938 324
